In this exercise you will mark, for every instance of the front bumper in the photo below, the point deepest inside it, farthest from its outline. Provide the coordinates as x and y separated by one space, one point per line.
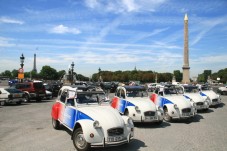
106 143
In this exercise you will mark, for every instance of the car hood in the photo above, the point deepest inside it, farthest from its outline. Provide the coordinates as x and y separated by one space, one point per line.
144 103
105 115
196 97
179 100
211 94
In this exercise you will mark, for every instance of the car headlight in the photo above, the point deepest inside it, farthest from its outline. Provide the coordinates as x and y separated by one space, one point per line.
175 106
130 122
136 108
194 104
159 108
96 124
206 103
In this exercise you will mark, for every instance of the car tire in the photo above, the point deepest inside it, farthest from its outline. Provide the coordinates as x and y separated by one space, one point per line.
2 103
126 113
79 141
159 122
167 117
18 103
38 99
27 98
56 124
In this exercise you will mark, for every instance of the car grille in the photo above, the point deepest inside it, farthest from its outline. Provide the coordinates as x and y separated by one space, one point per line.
199 103
115 131
149 113
186 110
215 100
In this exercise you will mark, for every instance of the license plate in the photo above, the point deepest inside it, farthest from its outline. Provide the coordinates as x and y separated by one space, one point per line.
185 114
114 138
200 107
16 95
150 117
41 94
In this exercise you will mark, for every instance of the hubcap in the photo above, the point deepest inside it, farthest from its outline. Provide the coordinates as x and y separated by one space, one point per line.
80 141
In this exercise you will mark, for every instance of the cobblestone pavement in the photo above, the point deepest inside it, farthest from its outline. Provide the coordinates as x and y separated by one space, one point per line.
27 127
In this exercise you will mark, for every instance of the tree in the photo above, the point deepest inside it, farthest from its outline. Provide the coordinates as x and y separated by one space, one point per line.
14 73
206 73
61 74
48 73
178 75
7 73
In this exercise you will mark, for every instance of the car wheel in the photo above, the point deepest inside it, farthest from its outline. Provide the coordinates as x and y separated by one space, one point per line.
19 102
167 117
79 141
3 103
38 99
126 113
55 123
27 98
159 122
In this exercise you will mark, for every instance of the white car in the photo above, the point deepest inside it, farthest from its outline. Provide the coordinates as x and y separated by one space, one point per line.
91 119
11 95
222 90
174 104
192 93
207 91
134 102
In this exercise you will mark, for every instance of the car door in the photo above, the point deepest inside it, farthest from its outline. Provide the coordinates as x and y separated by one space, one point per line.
70 110
119 101
3 95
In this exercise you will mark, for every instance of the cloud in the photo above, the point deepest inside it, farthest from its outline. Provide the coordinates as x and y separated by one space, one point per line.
205 27
61 29
124 6
10 21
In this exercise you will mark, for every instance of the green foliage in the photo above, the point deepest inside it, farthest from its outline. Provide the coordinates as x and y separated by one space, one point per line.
48 73
178 75
7 73
134 75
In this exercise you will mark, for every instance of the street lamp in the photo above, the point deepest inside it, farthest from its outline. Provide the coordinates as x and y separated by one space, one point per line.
72 67
22 60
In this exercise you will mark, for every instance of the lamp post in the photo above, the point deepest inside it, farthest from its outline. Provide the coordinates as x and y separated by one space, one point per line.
72 67
21 70
22 60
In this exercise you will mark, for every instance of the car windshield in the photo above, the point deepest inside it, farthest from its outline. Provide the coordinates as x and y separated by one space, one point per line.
191 89
38 85
12 90
206 88
136 93
84 98
173 90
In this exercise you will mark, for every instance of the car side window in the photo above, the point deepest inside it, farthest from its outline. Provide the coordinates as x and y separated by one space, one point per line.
118 93
63 96
70 102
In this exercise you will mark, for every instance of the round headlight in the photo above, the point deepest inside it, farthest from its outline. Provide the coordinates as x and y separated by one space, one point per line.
175 106
194 104
130 122
96 124
136 108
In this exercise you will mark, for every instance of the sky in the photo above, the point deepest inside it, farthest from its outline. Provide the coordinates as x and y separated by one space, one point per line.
113 35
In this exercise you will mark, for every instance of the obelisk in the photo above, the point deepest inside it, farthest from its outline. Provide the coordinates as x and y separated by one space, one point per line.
186 67
34 64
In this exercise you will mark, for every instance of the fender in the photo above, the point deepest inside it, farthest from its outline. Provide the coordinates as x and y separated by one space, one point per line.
55 110
171 109
88 129
131 110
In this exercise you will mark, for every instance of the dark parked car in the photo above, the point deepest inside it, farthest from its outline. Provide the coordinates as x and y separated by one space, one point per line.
33 90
